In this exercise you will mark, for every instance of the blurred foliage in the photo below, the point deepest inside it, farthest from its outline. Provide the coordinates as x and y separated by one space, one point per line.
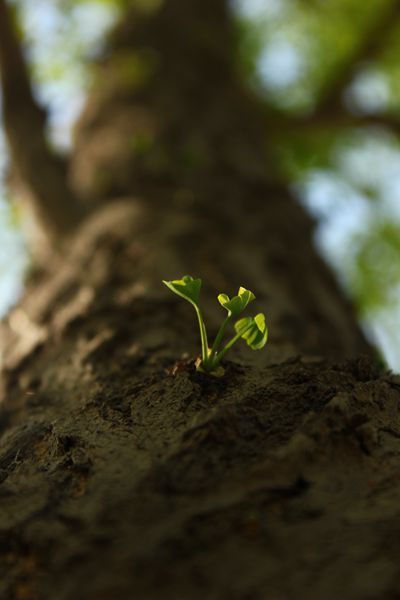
376 275
295 49
329 74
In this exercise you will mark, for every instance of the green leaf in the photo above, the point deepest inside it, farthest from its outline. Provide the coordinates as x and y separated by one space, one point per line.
253 330
187 287
246 295
237 304
223 299
242 325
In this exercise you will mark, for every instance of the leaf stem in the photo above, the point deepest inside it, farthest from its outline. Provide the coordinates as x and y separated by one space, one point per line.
229 345
219 336
203 334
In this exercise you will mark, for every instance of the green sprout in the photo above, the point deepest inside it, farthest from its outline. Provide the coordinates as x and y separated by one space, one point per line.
251 329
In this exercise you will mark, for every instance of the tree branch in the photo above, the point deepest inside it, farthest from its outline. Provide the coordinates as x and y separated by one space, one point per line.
42 172
339 119
369 46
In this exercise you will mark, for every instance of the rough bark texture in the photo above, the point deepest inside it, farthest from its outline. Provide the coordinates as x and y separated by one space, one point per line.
126 474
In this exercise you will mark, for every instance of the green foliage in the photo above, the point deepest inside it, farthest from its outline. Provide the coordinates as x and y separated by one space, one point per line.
324 36
329 75
236 304
187 288
375 275
251 329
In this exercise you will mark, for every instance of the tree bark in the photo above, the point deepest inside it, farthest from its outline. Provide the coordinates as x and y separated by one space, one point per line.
124 472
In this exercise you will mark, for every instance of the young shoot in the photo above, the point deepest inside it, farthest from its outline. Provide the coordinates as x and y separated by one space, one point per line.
252 330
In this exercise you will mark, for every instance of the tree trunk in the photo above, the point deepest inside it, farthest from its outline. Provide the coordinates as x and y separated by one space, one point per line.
124 472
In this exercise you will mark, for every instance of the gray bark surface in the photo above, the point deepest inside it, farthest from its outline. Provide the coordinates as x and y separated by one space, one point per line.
124 472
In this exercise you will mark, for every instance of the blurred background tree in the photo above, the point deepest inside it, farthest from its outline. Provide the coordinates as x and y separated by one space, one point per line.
329 74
